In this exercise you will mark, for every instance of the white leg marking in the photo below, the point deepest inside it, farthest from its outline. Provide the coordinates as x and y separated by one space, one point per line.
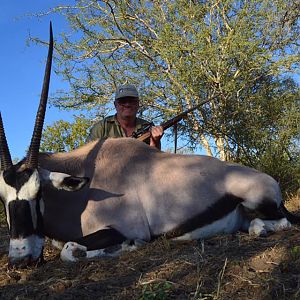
57 244
70 249
228 224
261 227
257 227
277 225
73 252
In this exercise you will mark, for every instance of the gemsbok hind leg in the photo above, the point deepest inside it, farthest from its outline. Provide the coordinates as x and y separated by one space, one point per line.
273 219
261 227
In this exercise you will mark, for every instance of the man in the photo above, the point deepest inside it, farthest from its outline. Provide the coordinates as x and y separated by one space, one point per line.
124 123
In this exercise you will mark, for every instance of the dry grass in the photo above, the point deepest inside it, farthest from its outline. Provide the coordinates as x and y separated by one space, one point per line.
226 267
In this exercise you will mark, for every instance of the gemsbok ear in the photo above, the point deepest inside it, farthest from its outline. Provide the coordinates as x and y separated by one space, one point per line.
63 181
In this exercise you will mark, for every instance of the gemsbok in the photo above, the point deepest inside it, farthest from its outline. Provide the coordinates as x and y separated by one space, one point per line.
114 194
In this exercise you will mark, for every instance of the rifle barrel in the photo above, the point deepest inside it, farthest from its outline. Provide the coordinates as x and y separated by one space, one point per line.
172 121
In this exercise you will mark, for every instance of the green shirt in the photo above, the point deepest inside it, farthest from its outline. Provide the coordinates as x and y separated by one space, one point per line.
110 127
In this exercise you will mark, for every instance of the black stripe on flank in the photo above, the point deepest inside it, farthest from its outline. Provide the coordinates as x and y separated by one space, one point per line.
217 211
21 225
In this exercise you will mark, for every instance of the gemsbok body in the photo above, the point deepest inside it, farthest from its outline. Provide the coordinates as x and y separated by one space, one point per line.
121 192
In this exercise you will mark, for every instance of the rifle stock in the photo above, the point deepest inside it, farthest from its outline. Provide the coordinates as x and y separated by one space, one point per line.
172 121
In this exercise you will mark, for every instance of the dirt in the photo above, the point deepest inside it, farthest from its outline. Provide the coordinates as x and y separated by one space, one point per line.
225 267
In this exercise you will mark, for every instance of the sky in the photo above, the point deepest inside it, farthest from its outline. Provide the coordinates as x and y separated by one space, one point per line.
22 69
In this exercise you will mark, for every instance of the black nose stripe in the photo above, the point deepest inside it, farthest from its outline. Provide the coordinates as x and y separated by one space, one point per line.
21 224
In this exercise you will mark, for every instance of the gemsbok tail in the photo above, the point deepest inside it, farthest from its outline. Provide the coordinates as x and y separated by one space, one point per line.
294 219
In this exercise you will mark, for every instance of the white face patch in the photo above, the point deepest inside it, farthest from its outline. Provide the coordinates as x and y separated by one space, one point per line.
30 189
30 246
7 193
27 192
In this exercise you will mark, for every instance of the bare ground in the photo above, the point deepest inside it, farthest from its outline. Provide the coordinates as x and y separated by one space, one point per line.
226 267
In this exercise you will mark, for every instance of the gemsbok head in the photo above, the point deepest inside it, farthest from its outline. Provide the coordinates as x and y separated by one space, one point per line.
21 187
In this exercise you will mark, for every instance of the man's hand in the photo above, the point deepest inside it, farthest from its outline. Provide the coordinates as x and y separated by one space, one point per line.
156 134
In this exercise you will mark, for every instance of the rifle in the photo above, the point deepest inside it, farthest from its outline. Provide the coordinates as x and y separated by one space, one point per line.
144 133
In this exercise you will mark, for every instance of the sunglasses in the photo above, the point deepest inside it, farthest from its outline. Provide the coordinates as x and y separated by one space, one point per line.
128 101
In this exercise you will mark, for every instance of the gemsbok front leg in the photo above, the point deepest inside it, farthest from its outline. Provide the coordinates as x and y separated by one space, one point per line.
104 242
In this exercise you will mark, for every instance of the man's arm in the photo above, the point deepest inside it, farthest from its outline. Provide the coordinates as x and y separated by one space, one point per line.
156 134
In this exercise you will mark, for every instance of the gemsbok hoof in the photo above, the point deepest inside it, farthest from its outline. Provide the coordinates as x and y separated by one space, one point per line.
282 224
257 227
73 252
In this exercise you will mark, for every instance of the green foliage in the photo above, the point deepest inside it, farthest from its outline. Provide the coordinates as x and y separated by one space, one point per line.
156 291
240 54
295 252
65 136
268 134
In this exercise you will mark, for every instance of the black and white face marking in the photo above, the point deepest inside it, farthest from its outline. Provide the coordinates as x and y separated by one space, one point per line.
21 193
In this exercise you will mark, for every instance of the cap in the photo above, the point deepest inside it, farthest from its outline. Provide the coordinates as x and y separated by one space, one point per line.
126 90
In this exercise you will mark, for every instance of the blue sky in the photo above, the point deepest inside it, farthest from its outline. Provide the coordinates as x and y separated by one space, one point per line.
22 69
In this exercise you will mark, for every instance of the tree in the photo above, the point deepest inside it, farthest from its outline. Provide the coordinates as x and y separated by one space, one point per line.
239 54
65 136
